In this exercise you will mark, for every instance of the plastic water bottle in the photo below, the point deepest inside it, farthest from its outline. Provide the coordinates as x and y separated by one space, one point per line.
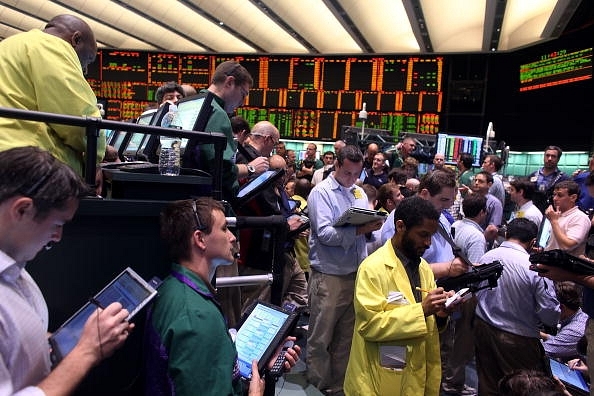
169 157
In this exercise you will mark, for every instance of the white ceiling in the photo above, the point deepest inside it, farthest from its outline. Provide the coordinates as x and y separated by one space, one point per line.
304 26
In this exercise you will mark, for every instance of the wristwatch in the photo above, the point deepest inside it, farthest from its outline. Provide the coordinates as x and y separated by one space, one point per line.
251 170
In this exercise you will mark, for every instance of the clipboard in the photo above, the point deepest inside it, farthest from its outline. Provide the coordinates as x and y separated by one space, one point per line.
359 216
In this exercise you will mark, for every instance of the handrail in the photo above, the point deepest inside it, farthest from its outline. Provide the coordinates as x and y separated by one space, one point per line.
94 124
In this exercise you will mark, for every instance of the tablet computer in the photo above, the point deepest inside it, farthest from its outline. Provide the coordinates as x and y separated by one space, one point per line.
358 216
257 185
264 328
544 233
128 288
572 379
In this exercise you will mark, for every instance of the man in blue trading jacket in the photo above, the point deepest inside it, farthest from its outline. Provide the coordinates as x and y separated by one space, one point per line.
335 254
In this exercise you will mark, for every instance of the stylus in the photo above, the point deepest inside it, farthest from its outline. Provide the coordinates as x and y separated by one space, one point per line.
96 302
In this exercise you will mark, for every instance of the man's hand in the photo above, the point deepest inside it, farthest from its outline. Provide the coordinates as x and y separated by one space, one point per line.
434 301
260 164
552 214
291 355
104 332
370 227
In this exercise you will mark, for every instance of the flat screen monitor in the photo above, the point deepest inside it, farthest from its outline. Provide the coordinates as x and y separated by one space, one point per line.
146 117
451 146
134 144
118 139
193 112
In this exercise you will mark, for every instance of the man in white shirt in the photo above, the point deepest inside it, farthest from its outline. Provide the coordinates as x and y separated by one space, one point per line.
521 191
569 225
39 194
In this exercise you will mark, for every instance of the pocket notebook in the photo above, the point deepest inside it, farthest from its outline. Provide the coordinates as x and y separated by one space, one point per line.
265 328
359 216
128 288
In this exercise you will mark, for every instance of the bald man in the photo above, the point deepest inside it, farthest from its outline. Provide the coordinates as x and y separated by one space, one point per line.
263 138
43 70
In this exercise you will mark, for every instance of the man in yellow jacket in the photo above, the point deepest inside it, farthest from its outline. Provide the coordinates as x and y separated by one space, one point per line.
398 310
43 70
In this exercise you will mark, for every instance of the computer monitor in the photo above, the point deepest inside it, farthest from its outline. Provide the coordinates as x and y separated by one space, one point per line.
451 146
134 144
193 112
146 117
118 139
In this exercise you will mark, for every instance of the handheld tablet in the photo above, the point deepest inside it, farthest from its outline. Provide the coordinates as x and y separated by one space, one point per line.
359 216
257 185
572 379
128 288
544 233
265 327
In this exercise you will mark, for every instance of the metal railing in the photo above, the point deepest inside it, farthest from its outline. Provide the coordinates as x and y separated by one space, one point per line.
94 124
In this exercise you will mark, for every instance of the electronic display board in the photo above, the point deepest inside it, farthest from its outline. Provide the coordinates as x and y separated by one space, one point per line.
306 97
556 68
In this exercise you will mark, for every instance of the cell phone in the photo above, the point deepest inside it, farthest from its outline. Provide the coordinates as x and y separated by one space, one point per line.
279 364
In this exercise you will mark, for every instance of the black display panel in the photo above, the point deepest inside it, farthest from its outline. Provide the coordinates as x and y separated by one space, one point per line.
303 93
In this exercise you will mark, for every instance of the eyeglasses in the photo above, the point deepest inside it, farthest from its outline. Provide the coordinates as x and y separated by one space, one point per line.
199 225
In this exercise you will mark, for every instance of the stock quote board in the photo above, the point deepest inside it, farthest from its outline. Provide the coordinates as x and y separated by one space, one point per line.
306 97
556 68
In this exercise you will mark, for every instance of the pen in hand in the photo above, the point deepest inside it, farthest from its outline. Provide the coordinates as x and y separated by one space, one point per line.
423 290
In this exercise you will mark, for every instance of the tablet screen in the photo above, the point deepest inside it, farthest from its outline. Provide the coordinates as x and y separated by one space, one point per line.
128 288
544 233
263 330
568 376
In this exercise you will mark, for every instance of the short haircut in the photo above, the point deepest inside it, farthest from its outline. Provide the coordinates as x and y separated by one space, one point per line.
497 162
571 186
239 124
435 181
413 210
179 221
385 192
233 69
528 383
569 294
350 152
35 173
168 87
398 176
329 153
555 148
488 175
466 159
370 191
303 187
473 204
522 229
525 185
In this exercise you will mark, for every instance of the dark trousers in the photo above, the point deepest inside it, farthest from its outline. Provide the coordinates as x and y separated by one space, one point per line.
499 353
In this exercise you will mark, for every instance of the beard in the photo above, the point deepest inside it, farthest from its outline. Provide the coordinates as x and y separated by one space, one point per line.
408 249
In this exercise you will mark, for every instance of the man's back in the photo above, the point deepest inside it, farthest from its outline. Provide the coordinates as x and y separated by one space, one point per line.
41 72
521 299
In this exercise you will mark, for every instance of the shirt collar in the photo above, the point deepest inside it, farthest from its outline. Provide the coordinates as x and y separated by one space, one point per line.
10 270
